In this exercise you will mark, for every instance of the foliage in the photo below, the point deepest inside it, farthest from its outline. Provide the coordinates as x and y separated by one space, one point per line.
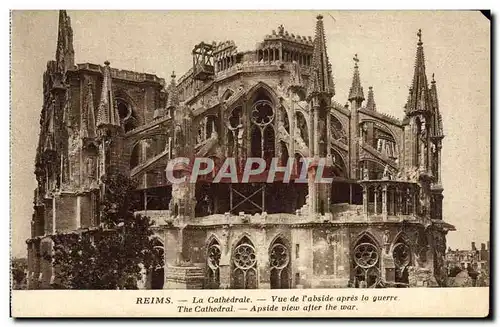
19 267
111 256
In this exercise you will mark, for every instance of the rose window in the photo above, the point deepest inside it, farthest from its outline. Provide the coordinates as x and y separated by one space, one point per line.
366 255
279 256
244 257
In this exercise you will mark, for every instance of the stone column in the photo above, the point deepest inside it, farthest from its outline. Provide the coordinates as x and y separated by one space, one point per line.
225 276
328 133
392 202
439 146
343 247
375 202
414 201
384 202
315 132
29 283
225 259
180 241
398 201
365 201
262 253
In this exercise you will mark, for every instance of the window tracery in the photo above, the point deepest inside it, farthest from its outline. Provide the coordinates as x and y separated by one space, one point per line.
366 264
244 264
402 260
263 136
126 114
213 261
235 131
302 128
337 132
279 261
206 129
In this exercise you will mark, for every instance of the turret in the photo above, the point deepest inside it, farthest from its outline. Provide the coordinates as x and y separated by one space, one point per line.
356 98
418 110
321 78
65 54
108 125
107 114
320 92
87 124
370 102
172 95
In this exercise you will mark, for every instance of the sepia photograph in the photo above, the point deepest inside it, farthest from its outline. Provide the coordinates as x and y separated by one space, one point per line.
326 160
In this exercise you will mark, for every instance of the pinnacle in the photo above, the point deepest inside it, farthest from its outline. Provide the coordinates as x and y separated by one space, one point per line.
356 91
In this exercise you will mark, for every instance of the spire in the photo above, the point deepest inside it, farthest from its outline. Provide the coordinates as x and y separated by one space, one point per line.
418 100
107 114
87 125
322 80
356 91
173 97
370 103
65 54
437 122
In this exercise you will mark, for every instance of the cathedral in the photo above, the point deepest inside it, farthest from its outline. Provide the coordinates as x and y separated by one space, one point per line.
377 223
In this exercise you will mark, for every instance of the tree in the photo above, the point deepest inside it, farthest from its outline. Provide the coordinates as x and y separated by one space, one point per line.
19 266
109 257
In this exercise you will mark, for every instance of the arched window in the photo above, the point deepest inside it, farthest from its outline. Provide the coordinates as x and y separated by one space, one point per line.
148 148
385 143
262 118
244 265
178 141
375 169
213 260
338 163
402 260
366 263
302 127
158 272
284 121
279 262
227 95
126 114
206 127
336 130
235 129
135 158
283 153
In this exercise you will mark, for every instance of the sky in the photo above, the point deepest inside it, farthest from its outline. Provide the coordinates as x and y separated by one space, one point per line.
456 47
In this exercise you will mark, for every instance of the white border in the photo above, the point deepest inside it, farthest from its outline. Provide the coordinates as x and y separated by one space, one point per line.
145 4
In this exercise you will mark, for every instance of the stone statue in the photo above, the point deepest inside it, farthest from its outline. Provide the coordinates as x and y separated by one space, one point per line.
386 173
281 30
295 75
365 174
387 242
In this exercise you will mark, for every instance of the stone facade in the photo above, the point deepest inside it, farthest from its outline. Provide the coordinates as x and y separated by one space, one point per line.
378 224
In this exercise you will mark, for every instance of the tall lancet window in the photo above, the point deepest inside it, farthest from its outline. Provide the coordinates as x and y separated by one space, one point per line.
235 132
366 263
279 262
263 134
244 265
213 260
402 260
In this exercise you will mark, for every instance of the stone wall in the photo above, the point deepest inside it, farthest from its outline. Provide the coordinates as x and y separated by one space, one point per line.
66 212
